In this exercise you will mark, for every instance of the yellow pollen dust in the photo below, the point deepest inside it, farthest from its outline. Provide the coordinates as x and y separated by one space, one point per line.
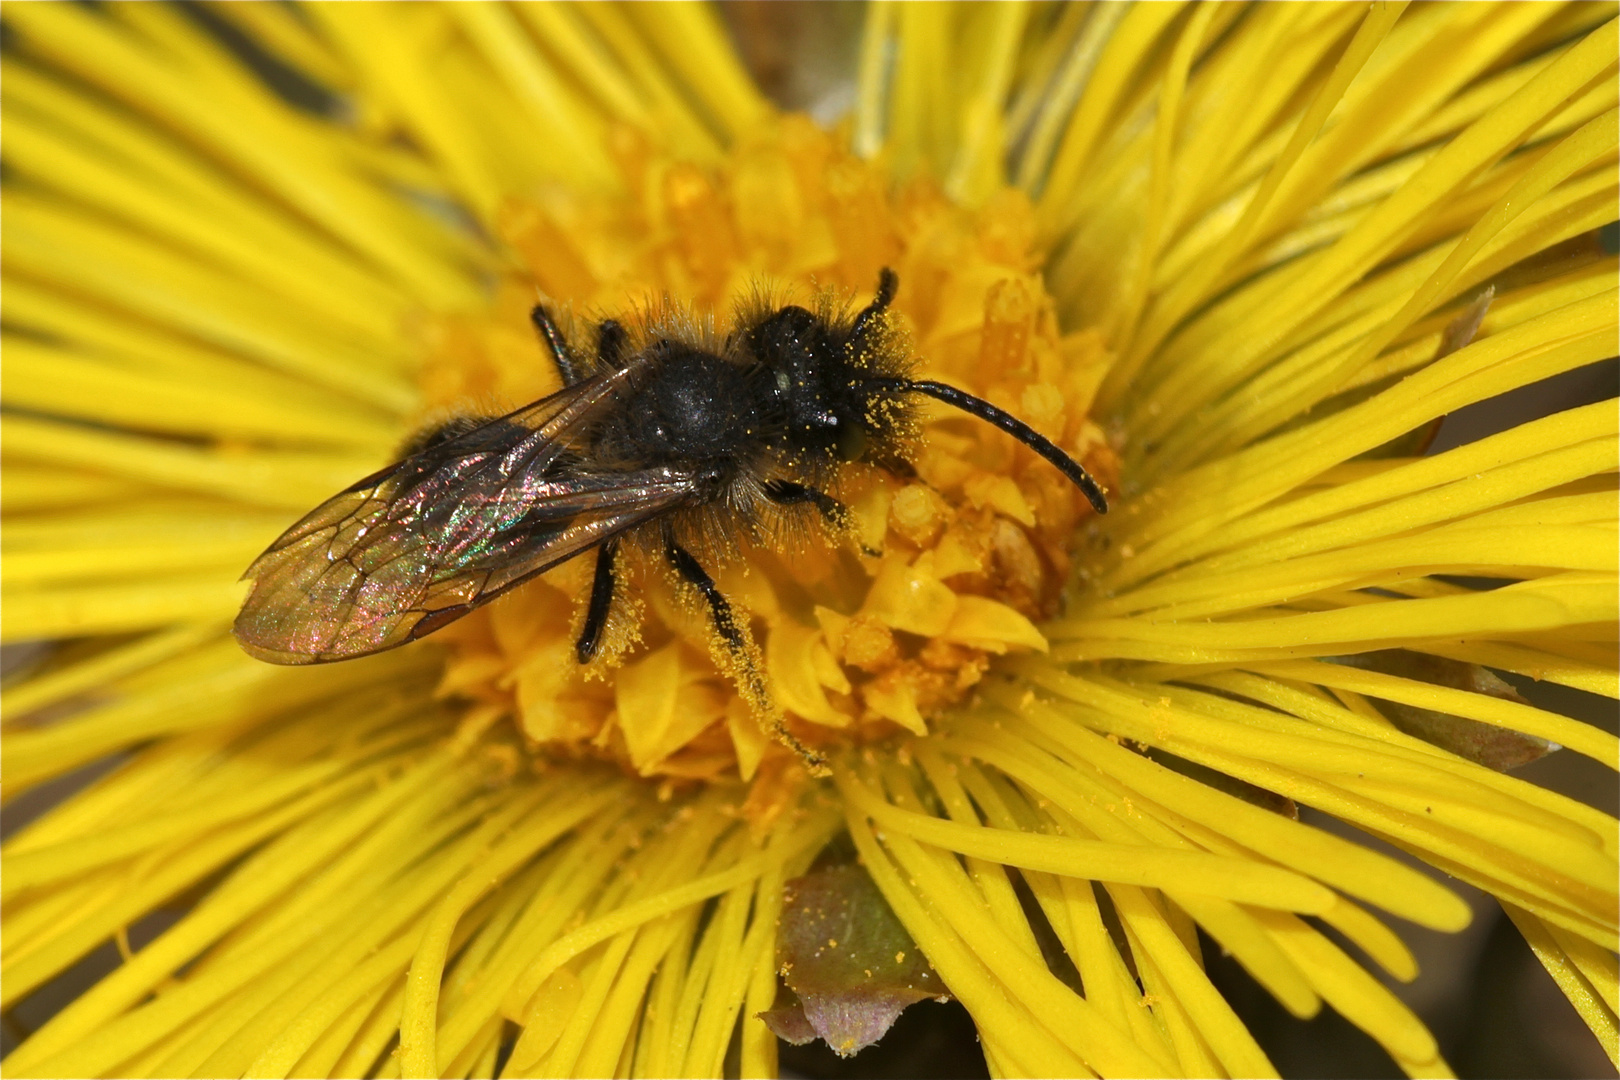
862 636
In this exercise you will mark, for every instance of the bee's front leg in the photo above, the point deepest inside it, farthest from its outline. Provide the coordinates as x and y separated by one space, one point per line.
788 493
833 512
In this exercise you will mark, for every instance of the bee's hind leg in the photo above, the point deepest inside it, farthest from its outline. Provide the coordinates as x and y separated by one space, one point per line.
601 602
740 649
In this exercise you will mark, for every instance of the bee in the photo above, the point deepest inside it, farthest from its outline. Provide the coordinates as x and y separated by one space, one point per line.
670 444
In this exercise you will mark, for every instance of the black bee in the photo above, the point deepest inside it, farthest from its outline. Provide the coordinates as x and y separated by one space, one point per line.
670 443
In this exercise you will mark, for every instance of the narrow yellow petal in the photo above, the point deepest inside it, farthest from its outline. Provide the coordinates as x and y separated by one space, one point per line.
1247 883
101 669
273 146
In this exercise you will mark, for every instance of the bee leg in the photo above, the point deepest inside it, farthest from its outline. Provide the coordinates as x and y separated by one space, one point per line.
896 466
692 572
888 282
787 493
601 602
833 512
567 365
611 338
743 656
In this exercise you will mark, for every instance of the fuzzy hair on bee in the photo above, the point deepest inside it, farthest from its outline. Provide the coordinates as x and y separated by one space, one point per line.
669 439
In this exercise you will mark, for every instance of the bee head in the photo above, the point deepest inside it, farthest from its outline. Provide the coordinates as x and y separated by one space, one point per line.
804 365
832 381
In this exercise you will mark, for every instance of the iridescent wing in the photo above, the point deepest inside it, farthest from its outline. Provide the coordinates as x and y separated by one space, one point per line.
425 541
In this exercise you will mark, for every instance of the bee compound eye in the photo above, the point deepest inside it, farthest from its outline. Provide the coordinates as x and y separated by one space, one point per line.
851 441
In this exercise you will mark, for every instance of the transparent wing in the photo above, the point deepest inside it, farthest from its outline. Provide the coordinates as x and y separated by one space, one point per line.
427 540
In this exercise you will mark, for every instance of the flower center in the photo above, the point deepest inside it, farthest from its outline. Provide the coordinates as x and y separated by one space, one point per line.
861 635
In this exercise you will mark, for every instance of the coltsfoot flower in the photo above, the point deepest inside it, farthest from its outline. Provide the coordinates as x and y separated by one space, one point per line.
1239 260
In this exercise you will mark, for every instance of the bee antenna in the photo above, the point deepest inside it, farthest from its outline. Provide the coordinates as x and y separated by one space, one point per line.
1013 426
888 282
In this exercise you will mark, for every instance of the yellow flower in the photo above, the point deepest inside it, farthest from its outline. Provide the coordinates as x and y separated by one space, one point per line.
1236 258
